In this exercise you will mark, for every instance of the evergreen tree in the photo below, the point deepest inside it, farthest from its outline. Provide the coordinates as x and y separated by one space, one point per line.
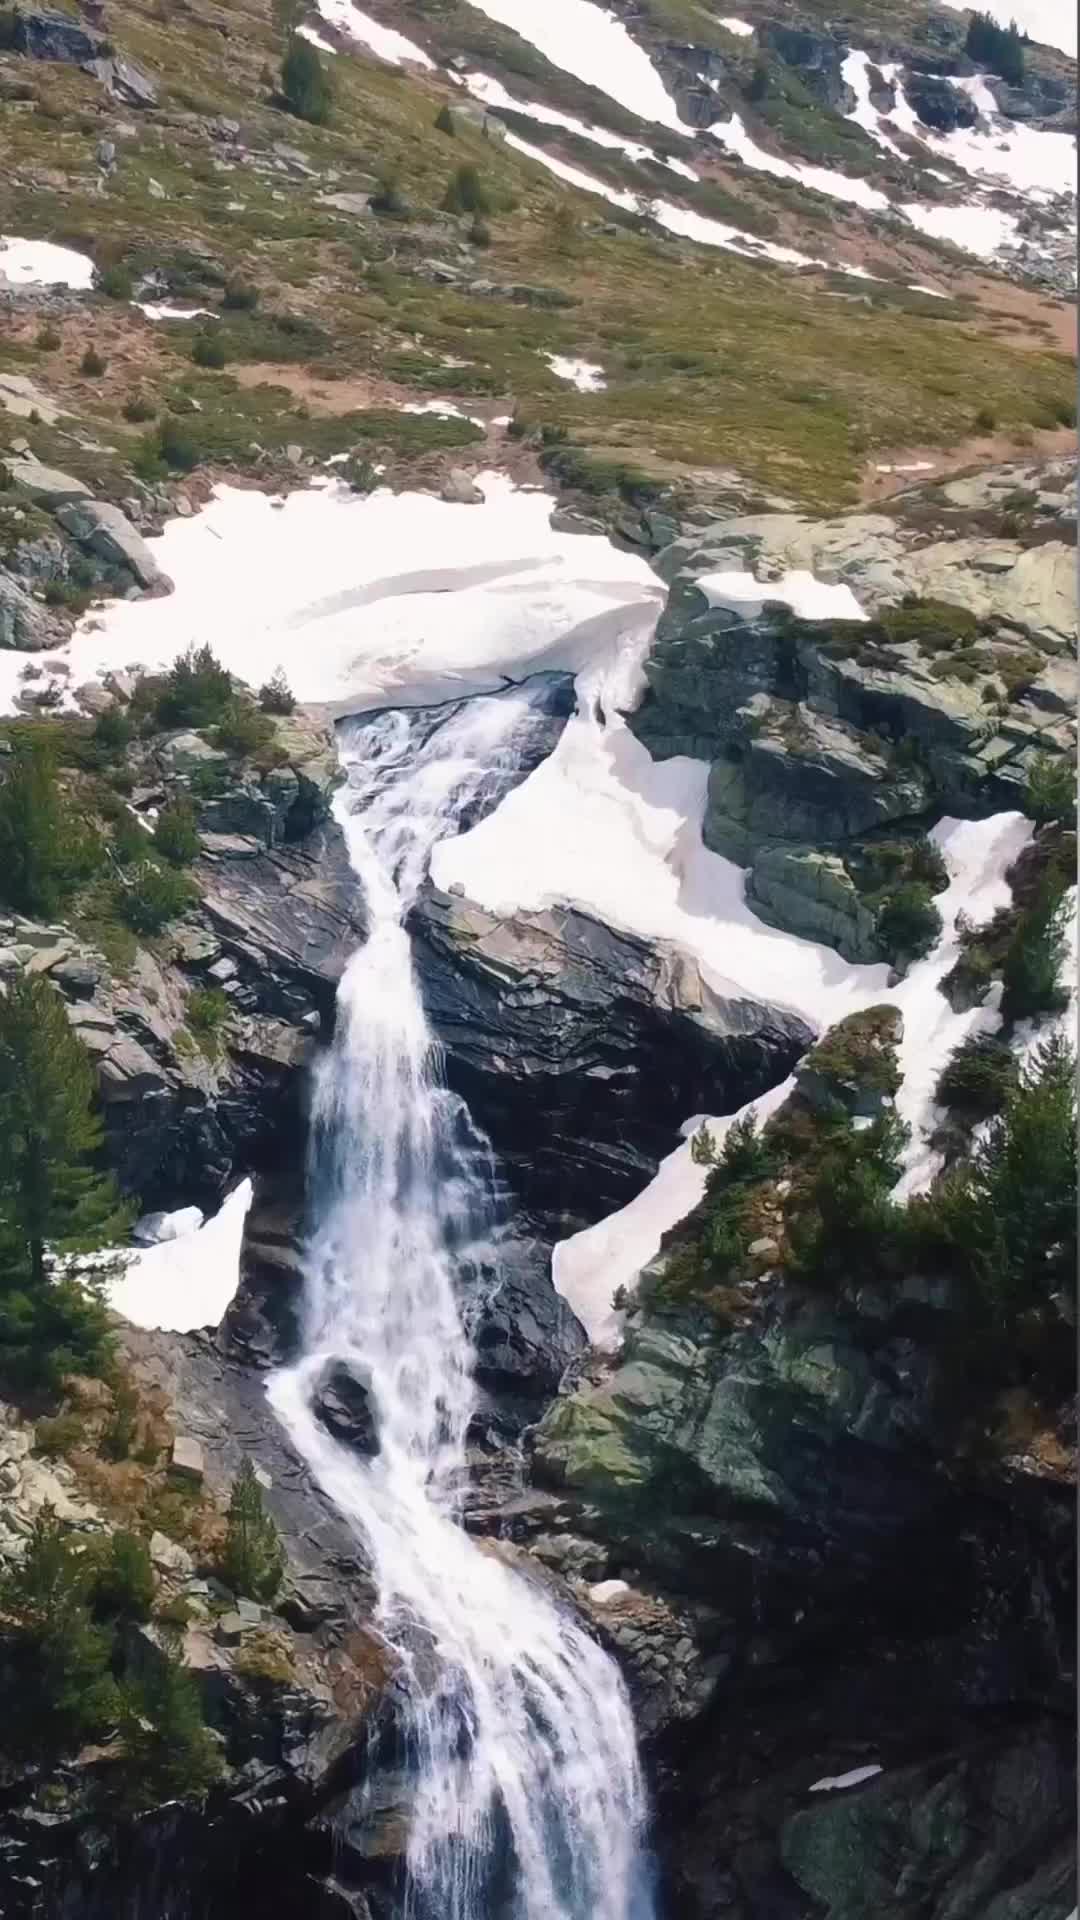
253 1560
46 848
999 48
1051 790
1033 964
305 83
51 1194
170 1753
56 1689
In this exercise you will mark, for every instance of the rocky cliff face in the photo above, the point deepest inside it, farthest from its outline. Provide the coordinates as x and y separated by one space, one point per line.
824 735
581 1051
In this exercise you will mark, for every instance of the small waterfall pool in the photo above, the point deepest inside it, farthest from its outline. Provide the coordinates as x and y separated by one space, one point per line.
528 1801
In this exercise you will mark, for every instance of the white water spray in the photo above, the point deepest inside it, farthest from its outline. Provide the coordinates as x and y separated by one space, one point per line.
528 1802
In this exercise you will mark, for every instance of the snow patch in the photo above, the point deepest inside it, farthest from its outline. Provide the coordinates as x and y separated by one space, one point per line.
589 1266
582 374
740 27
41 263
855 1778
595 47
162 310
493 94
384 41
808 598
153 1228
189 1280
984 231
576 176
316 39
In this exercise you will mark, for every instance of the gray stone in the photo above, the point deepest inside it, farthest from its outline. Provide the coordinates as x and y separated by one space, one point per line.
22 396
186 1459
812 894
169 1556
185 752
77 976
43 483
231 1629
460 489
24 623
107 531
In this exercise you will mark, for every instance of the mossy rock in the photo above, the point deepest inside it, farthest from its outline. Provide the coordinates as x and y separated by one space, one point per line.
855 1065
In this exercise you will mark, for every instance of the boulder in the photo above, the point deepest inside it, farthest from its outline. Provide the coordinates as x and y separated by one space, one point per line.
939 104
460 489
43 34
342 1402
107 531
43 483
813 895
186 1459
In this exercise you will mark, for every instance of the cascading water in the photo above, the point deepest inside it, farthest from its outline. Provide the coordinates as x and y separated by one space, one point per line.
528 1802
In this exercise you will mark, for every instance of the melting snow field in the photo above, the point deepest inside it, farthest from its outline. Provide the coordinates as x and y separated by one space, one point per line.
384 41
40 263
493 94
734 138
326 584
189 1279
589 1266
595 47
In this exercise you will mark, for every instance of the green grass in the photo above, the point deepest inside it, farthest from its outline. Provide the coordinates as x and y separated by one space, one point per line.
746 365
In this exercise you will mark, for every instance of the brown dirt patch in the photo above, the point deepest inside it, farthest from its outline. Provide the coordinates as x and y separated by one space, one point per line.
941 463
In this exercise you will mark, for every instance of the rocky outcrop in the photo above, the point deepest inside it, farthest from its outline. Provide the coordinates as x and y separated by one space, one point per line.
581 1051
42 34
816 57
294 1692
786 1493
821 732
24 622
938 104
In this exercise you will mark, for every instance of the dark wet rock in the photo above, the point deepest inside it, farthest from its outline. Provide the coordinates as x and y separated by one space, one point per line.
45 35
342 1401
581 1051
816 58
42 34
938 104
523 1333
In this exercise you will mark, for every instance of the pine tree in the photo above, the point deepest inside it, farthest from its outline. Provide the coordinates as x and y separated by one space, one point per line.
50 1193
253 1560
170 1753
56 1688
46 848
52 1197
305 83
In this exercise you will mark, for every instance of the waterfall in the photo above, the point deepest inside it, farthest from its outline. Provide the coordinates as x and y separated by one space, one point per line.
527 1801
